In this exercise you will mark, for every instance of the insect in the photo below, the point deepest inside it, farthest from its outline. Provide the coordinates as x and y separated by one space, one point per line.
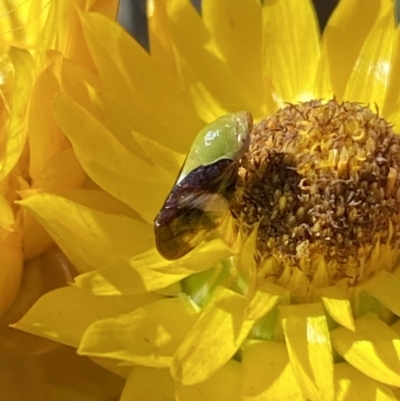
204 186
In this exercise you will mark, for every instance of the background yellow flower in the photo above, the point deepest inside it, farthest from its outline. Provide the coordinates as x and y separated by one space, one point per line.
35 156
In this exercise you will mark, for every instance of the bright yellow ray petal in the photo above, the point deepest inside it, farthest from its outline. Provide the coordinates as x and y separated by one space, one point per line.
108 8
161 47
310 352
236 29
7 219
384 286
391 108
35 238
129 72
162 52
290 50
337 303
323 88
373 349
347 22
224 385
22 22
130 179
79 82
214 338
149 336
13 135
68 30
150 272
91 239
264 299
62 171
168 160
59 315
11 269
45 138
369 78
267 373
116 113
98 200
208 80
352 385
148 384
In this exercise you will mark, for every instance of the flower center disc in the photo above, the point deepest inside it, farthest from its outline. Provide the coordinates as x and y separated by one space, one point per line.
320 184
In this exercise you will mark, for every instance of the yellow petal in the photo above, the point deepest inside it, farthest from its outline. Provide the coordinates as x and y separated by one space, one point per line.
148 384
40 275
80 82
108 8
98 200
209 81
168 160
161 44
290 50
247 263
267 373
370 76
129 72
269 326
62 171
149 336
310 353
264 299
35 239
64 314
123 279
14 134
352 385
214 338
374 349
162 52
392 101
384 286
45 138
11 268
224 385
236 29
83 85
7 219
340 53
130 179
337 303
323 88
150 272
91 239
161 47
22 22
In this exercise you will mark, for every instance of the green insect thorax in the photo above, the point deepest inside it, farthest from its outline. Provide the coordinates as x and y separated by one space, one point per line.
227 137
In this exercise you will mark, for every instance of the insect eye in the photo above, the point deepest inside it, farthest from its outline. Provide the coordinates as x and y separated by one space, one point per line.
242 138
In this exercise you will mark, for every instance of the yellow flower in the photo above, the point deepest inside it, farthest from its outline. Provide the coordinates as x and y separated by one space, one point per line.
36 156
283 318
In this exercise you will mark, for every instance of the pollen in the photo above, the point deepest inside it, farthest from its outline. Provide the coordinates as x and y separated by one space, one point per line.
320 184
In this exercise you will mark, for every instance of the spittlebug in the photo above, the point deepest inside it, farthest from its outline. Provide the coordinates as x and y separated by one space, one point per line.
204 186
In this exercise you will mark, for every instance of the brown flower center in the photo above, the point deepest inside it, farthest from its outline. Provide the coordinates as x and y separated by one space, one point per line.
320 180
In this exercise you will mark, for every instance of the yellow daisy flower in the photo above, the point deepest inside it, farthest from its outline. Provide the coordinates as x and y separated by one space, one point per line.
35 156
304 304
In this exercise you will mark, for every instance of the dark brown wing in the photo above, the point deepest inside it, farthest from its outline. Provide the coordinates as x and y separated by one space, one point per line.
192 209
